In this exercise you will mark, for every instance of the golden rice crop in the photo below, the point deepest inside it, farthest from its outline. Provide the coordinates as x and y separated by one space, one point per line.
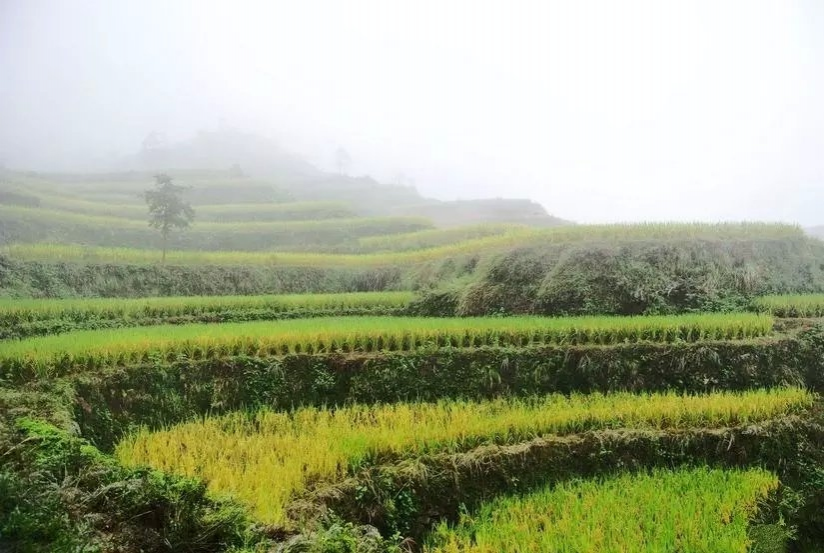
692 509
16 311
508 240
792 305
91 349
266 458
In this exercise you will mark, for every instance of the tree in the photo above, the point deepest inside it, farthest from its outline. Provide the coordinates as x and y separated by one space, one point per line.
167 210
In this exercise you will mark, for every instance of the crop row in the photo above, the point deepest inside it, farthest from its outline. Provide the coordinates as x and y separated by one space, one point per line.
41 226
693 509
373 224
795 305
432 238
92 349
266 458
17 311
287 211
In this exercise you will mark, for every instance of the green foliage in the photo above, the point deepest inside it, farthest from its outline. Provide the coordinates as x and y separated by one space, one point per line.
65 495
642 277
336 536
167 209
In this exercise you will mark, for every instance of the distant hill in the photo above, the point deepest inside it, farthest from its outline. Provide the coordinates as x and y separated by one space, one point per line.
818 231
291 178
495 210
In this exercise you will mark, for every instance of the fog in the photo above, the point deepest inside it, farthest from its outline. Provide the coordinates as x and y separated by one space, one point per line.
599 110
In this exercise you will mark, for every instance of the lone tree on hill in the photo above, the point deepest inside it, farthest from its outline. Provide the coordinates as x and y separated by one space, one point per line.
167 210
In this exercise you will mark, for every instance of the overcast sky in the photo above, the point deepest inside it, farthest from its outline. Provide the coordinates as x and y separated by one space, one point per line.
600 110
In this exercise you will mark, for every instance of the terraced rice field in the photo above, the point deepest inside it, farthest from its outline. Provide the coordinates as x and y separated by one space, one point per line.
267 458
792 305
500 242
697 509
13 311
94 349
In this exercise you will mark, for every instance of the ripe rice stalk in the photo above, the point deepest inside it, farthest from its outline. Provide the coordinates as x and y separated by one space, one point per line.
267 458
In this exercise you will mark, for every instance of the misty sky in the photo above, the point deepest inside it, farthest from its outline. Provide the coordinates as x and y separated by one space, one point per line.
600 110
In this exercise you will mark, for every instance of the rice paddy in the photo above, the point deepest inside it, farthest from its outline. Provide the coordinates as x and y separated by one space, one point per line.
473 246
267 458
693 509
104 367
793 305
93 349
363 225
17 311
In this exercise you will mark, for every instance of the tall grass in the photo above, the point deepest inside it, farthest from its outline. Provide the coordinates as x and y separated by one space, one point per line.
93 349
14 311
792 305
694 509
266 458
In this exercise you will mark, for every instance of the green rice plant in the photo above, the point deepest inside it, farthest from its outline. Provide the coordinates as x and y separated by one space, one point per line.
792 305
18 311
94 349
692 509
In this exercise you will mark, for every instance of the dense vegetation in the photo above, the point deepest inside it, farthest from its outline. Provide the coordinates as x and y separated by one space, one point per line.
279 383
267 458
688 510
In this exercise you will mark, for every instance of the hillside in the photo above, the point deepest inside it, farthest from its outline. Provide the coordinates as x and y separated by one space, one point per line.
293 211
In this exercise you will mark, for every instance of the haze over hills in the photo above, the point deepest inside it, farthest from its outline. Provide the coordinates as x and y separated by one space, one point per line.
228 166
818 231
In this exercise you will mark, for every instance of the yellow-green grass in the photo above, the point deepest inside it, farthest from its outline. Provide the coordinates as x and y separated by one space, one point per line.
691 509
265 459
15 311
436 237
58 201
290 211
506 241
792 305
90 349
382 224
